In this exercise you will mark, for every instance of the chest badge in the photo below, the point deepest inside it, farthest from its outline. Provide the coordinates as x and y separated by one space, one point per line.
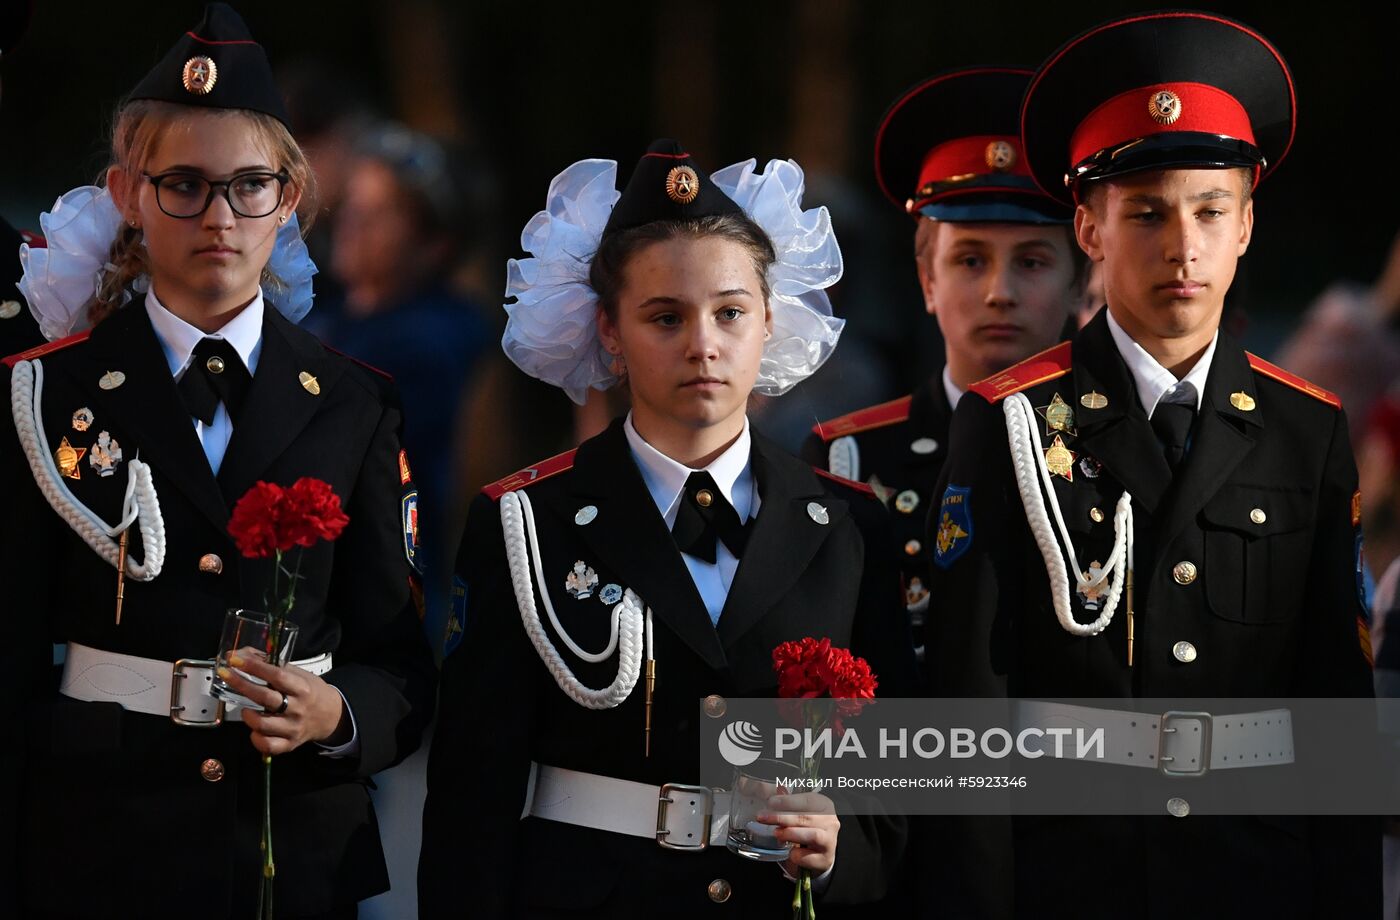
1059 459
611 594
1058 416
105 455
1090 467
1092 597
581 581
907 501
82 419
67 457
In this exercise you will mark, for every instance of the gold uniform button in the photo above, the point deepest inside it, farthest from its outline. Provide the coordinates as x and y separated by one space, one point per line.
1184 572
715 706
1096 515
1184 652
1178 807
1258 516
719 890
215 365
704 498
211 564
912 548
212 770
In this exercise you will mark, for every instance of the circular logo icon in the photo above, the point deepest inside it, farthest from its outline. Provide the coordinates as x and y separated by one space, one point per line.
682 185
1001 156
200 75
740 743
1164 106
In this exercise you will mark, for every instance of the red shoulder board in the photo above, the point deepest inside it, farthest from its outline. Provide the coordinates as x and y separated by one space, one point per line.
38 351
531 474
1293 380
1051 363
890 413
33 240
849 483
369 367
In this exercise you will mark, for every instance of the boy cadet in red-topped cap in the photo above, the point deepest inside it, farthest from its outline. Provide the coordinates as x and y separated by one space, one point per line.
999 270
1150 510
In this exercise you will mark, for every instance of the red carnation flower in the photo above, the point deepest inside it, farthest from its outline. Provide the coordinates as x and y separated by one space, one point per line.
311 511
253 523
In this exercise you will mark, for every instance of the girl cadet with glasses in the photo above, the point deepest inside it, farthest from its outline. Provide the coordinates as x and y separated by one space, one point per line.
679 543
175 379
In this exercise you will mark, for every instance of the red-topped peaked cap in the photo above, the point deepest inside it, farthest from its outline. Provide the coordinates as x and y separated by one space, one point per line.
950 148
1172 88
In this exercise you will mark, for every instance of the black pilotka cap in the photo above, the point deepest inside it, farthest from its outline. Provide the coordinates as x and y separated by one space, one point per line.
667 185
949 148
1173 88
217 65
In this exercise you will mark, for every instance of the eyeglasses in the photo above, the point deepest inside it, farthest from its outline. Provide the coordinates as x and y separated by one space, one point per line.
249 194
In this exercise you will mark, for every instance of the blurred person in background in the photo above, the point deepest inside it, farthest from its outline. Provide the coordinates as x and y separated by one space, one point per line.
398 232
18 328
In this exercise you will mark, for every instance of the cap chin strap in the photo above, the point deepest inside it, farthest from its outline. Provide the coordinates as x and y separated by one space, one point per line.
1028 461
628 630
139 506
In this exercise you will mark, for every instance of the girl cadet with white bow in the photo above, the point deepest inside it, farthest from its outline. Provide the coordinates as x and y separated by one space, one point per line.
656 566
118 447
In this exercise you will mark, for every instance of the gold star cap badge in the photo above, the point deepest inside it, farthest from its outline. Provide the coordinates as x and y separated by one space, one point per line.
1164 106
1000 156
682 185
199 75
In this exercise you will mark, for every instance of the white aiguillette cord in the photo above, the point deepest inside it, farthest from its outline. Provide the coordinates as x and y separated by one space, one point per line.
139 505
630 628
1028 461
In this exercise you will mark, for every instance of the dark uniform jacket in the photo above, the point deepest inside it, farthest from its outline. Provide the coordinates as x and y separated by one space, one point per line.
501 709
117 799
1263 510
899 450
18 328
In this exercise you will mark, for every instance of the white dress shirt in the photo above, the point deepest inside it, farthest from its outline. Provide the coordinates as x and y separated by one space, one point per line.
950 389
177 340
1154 382
665 481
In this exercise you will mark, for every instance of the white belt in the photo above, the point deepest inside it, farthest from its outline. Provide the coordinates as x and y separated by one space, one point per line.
1178 743
676 816
178 691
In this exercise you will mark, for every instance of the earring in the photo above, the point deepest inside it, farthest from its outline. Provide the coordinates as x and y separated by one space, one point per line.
282 219
618 366
132 222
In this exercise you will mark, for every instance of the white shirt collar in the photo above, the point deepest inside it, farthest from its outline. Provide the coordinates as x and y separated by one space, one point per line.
950 388
665 478
1154 382
178 338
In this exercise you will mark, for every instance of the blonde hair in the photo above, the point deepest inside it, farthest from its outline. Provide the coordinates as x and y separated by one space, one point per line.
140 126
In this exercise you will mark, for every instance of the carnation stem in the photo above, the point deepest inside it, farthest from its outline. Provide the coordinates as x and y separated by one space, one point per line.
269 866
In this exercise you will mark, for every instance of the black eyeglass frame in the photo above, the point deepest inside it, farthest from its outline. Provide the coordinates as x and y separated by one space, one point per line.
221 188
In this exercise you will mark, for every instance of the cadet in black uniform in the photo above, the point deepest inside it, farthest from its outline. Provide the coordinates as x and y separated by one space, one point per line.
155 422
1173 517
678 538
999 270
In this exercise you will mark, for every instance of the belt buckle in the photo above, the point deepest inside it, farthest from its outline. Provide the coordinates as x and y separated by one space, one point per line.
664 799
177 674
1207 726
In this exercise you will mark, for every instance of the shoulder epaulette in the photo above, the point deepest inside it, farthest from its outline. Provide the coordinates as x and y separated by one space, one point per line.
849 483
33 240
1051 363
48 348
890 413
369 367
555 465
1293 380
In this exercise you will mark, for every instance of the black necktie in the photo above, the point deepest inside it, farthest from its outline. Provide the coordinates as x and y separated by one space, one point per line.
215 375
704 517
1172 423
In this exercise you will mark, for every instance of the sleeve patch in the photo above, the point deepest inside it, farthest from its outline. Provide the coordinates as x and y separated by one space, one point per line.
954 526
1356 508
410 529
405 474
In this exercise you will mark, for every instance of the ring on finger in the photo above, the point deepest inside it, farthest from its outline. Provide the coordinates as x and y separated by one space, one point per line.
280 710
